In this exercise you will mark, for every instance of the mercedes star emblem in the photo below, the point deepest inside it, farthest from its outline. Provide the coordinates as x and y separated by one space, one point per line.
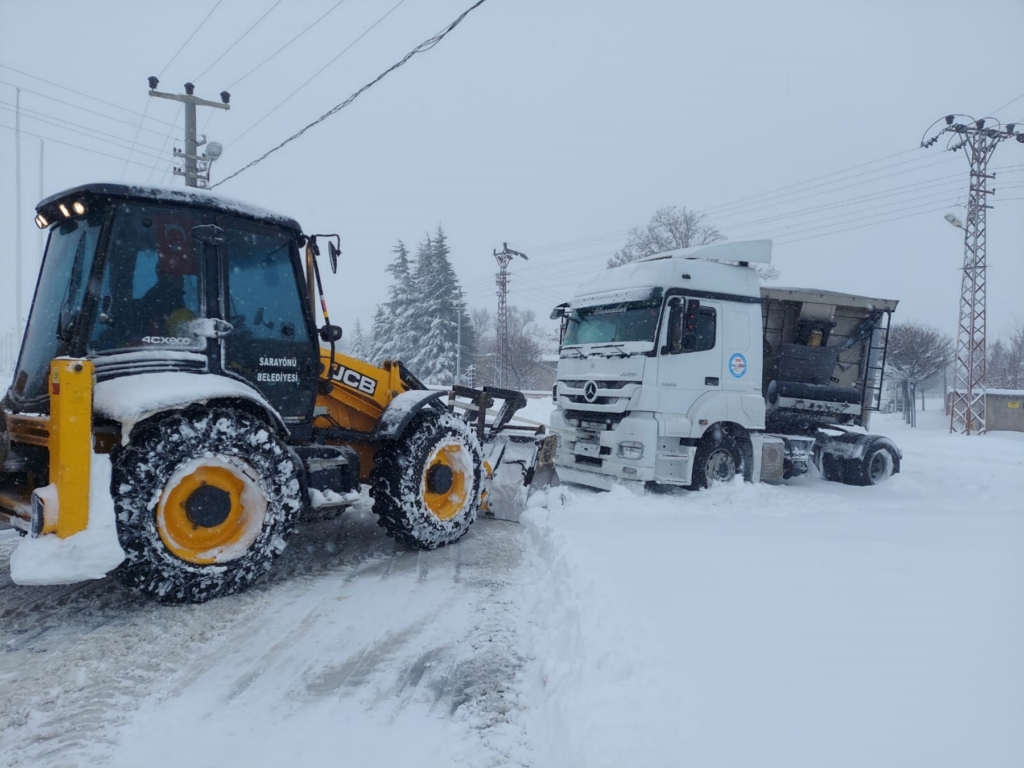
590 391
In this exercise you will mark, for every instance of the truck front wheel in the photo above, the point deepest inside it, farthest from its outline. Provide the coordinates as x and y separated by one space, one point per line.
718 460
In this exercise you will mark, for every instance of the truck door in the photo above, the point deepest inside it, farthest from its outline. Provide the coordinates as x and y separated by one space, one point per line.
271 344
690 352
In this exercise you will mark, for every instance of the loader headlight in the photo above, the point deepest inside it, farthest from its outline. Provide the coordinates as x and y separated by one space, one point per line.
631 450
41 221
78 207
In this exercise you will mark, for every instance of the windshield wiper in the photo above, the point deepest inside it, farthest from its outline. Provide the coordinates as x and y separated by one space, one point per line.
618 348
579 352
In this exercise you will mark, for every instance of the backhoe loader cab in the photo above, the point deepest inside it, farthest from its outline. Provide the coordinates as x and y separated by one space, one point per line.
172 391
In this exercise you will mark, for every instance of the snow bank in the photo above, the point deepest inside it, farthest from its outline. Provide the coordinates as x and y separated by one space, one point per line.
807 624
91 554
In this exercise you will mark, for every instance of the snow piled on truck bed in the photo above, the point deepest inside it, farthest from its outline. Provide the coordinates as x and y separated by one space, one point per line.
810 624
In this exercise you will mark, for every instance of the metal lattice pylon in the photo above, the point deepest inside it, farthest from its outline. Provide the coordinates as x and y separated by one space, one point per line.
967 412
503 257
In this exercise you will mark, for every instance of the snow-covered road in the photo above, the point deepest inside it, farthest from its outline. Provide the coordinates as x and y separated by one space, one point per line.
811 624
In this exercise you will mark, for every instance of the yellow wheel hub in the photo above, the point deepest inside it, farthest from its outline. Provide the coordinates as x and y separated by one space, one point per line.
445 481
208 512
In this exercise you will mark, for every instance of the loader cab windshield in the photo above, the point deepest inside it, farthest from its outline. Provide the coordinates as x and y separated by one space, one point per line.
610 324
58 304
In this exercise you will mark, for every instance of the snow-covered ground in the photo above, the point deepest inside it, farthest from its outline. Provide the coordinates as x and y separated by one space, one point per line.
811 624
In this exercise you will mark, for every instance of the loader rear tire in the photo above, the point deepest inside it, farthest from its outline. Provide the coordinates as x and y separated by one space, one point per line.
426 484
205 500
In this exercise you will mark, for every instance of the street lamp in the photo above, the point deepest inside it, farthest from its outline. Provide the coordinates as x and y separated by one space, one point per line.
952 219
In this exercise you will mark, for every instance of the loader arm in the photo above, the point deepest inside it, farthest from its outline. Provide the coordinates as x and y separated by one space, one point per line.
352 401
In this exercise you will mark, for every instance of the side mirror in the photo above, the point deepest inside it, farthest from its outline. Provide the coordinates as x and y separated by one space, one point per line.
333 252
559 311
688 339
675 330
330 333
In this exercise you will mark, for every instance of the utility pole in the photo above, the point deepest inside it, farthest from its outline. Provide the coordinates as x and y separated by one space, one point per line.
196 169
458 304
18 257
503 257
42 235
978 139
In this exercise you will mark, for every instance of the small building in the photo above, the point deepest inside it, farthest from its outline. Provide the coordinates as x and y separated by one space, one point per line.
1004 410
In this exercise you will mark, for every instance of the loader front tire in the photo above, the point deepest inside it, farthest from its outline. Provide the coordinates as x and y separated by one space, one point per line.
426 484
205 500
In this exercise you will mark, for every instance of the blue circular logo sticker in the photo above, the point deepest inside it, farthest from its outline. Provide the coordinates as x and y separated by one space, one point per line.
737 365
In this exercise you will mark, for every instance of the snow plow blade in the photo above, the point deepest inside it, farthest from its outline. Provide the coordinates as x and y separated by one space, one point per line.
518 458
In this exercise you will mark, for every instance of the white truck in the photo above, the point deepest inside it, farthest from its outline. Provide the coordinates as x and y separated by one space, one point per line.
680 369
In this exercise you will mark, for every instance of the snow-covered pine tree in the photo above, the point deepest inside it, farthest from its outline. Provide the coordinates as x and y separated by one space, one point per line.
394 333
437 287
358 346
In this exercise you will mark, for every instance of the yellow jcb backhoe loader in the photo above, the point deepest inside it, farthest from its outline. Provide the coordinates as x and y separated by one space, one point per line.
174 414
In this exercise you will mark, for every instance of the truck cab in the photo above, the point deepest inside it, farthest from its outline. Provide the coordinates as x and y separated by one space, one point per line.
653 353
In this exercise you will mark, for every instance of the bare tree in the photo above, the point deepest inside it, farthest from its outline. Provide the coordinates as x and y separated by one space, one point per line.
668 229
671 228
916 353
525 349
1006 361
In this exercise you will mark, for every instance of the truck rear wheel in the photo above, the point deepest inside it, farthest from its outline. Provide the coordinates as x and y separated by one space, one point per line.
717 460
877 466
426 484
205 499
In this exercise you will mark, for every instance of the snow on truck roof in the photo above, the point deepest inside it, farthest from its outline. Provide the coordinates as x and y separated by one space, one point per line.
706 268
176 195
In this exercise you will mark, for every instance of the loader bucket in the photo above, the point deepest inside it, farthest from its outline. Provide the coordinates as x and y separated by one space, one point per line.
518 458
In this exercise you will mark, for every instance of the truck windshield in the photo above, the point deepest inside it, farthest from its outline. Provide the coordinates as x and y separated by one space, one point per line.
57 307
606 323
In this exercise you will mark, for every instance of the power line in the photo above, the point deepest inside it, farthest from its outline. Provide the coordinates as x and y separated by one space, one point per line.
84 109
42 117
815 178
880 221
72 90
75 146
329 12
161 74
230 47
598 239
318 72
170 164
1011 101
426 45
786 199
189 39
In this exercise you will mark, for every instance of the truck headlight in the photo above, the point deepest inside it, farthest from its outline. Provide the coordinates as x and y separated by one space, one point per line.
631 450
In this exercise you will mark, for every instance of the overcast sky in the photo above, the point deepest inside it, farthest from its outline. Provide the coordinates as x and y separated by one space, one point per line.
553 125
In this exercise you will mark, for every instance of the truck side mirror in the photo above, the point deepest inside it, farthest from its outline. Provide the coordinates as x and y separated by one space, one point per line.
688 339
675 329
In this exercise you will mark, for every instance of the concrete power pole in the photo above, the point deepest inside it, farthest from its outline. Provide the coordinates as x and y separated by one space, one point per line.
196 169
18 256
503 257
978 139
